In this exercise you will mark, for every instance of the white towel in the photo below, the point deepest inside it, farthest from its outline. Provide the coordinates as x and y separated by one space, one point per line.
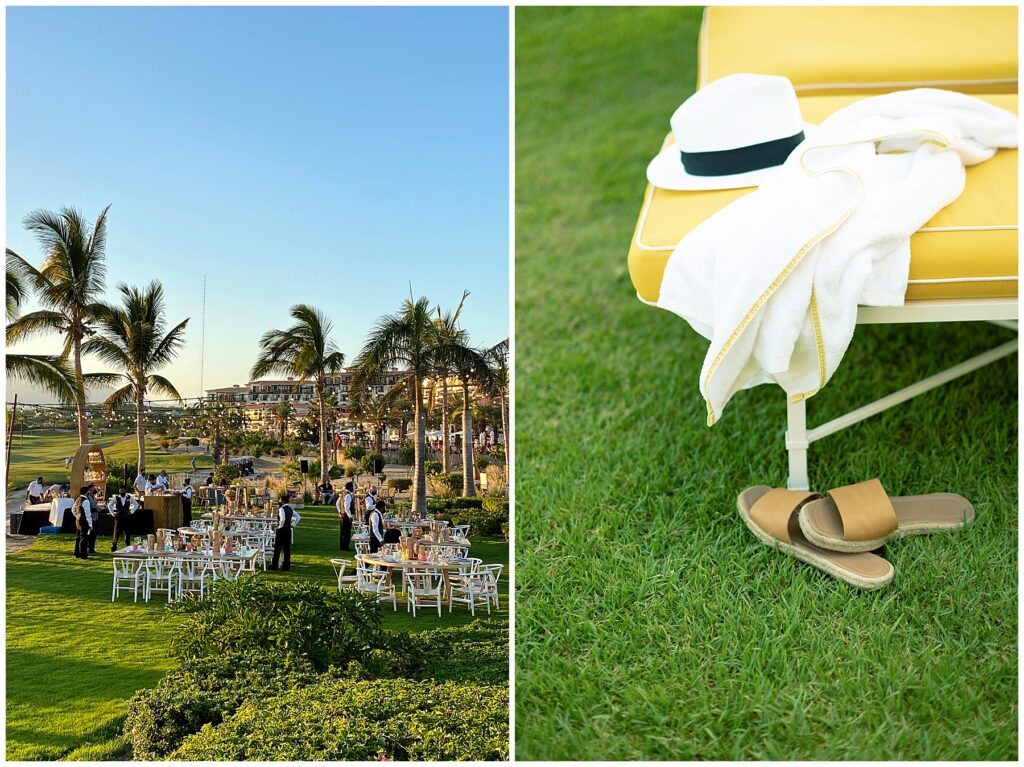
774 279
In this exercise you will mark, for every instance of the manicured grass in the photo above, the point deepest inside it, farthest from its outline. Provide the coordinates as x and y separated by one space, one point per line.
43 453
74 658
649 622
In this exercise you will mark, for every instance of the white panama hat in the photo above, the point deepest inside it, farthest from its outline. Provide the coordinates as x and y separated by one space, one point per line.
732 133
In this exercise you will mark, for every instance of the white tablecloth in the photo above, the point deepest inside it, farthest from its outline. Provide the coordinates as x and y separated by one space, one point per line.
57 508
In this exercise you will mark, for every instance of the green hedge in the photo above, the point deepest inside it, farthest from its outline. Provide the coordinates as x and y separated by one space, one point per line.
485 515
335 720
401 485
476 653
300 619
204 691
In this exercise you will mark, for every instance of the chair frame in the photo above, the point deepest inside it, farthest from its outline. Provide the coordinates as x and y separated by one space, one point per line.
139 571
417 595
998 311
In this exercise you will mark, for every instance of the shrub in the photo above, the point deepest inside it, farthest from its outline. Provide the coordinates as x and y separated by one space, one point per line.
354 452
445 485
400 484
300 619
486 518
336 472
370 460
368 720
225 472
482 462
432 467
194 441
476 653
203 691
407 454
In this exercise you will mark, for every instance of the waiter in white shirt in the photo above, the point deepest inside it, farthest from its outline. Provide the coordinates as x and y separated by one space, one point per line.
287 518
140 482
82 511
120 508
152 486
376 523
163 480
53 492
186 502
346 511
35 491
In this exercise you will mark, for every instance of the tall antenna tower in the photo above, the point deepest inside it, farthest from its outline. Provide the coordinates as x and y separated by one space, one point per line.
202 341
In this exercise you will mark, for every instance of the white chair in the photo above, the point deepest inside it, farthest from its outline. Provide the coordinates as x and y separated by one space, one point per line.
460 531
344 581
192 576
362 548
227 569
468 588
127 572
161 577
491 574
424 587
258 543
376 582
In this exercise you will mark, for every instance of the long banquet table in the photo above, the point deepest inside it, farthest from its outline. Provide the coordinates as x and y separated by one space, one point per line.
446 567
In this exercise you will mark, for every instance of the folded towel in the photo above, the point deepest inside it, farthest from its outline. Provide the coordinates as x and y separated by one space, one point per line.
774 279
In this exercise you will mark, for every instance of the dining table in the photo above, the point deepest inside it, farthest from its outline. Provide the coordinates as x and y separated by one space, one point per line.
393 563
249 557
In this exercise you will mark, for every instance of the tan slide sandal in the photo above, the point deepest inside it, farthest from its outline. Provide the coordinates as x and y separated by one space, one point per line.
771 515
862 517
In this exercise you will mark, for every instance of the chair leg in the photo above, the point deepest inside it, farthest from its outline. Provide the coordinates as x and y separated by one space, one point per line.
797 444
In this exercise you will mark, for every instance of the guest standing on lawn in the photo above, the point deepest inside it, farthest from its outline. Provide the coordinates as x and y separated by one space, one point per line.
83 523
287 518
346 510
120 508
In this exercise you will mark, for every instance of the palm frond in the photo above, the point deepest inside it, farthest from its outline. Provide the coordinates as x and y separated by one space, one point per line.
45 372
34 324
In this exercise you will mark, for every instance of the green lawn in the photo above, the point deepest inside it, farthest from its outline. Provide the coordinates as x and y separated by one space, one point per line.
649 622
74 658
43 453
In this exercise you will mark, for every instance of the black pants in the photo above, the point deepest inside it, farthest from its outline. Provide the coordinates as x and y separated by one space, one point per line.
82 539
374 543
120 528
282 542
346 532
34 499
186 511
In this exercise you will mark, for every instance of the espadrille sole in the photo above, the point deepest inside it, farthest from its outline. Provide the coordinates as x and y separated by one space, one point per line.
821 559
906 529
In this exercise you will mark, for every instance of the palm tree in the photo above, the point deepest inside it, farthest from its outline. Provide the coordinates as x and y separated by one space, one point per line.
448 328
498 359
407 339
132 338
69 285
44 371
305 351
471 366
282 411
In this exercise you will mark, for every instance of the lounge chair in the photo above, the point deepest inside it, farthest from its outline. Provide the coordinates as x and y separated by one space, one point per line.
964 261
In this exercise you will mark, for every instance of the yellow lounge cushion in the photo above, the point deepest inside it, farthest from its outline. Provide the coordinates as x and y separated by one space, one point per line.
960 253
865 49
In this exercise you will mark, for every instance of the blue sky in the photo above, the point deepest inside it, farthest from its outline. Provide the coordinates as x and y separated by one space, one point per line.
320 155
